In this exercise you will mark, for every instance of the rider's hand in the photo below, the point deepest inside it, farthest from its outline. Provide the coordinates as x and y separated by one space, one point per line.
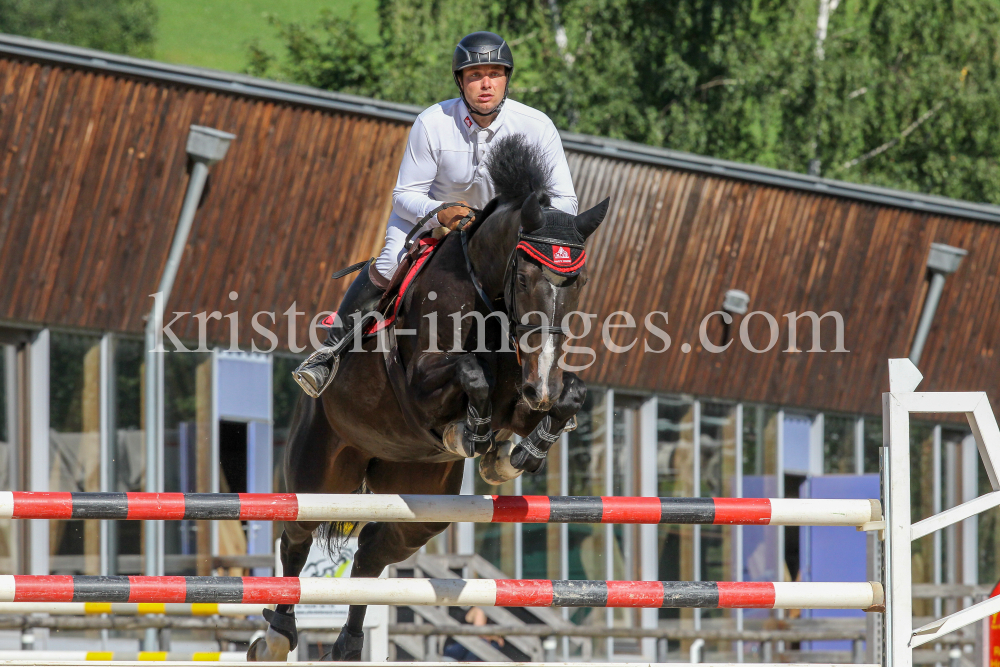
450 217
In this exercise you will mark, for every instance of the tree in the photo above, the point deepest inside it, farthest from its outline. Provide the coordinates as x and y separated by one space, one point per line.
120 26
901 93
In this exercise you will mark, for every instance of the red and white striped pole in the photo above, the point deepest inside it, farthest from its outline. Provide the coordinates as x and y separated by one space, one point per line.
446 509
459 592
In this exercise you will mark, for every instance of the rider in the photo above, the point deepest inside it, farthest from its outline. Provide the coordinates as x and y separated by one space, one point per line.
444 162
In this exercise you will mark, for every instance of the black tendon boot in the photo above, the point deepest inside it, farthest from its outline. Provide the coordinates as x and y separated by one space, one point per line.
317 372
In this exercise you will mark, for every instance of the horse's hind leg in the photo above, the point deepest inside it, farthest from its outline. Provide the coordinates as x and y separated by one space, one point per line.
281 636
315 462
381 544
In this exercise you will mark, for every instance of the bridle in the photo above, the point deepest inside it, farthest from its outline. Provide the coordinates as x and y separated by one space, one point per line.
519 330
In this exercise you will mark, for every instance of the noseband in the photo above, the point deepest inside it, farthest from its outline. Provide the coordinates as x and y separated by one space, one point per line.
510 274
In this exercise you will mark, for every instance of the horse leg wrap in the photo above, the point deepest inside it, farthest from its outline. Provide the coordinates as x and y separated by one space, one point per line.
478 431
348 645
284 625
529 454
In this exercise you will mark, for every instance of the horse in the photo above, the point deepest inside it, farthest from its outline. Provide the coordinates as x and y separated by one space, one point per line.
464 380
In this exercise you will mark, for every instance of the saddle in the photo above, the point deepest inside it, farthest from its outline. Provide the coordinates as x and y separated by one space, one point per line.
422 244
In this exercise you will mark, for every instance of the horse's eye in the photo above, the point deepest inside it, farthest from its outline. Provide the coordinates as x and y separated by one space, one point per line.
522 282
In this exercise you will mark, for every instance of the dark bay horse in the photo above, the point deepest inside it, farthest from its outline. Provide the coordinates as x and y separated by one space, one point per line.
357 435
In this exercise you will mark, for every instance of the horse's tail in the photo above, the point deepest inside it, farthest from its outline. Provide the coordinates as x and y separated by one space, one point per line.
333 535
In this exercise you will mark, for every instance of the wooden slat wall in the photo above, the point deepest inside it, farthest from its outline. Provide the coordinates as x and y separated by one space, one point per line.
94 171
94 175
677 241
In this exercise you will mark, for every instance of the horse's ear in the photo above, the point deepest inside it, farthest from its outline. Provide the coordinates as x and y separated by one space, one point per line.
588 221
532 217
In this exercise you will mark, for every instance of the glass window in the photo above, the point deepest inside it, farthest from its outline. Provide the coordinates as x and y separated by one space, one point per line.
761 560
717 456
7 471
873 444
3 397
838 444
541 542
675 478
129 464
586 467
760 451
495 541
626 481
988 524
286 395
922 506
187 446
74 445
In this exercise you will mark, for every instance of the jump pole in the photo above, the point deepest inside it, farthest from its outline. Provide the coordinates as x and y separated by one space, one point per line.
129 609
411 508
28 662
457 592
50 657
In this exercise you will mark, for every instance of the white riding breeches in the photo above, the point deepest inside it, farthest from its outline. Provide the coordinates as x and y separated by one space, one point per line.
393 250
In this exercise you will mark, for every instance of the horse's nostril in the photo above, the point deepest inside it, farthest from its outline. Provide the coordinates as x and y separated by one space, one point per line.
529 392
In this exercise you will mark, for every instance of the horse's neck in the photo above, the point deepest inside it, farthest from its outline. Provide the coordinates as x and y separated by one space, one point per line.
490 248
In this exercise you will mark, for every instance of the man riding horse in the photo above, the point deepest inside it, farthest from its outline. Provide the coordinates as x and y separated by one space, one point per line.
444 162
454 387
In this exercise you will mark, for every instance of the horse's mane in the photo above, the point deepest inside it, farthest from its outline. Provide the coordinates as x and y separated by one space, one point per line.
518 168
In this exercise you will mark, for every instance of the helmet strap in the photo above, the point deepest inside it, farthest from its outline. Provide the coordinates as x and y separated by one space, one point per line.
496 109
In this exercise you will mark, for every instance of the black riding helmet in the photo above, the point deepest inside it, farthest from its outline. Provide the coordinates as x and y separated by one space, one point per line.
482 48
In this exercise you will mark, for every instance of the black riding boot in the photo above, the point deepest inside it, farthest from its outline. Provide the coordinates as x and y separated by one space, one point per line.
315 373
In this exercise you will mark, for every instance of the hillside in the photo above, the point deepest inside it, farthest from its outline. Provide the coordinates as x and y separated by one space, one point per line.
215 33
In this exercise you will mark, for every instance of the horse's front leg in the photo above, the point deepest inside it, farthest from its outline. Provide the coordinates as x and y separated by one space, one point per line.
529 454
474 434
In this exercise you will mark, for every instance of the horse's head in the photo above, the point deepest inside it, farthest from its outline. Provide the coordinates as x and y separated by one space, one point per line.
548 274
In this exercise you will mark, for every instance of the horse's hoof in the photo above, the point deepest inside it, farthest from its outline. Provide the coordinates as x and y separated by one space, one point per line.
494 465
348 646
272 647
455 442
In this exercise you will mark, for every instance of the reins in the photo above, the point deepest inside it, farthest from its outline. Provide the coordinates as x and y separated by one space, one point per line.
518 330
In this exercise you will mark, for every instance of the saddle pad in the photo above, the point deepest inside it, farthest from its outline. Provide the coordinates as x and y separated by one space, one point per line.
421 252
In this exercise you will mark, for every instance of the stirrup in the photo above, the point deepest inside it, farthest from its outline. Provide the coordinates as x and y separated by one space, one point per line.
319 369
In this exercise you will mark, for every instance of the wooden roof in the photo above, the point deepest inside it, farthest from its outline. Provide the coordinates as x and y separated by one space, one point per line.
94 172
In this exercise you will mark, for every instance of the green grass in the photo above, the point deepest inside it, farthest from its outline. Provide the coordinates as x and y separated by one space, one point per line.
215 33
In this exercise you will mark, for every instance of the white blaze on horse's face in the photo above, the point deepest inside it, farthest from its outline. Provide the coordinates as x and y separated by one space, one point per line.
544 296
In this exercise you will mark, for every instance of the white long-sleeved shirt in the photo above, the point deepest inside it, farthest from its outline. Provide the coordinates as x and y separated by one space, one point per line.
445 154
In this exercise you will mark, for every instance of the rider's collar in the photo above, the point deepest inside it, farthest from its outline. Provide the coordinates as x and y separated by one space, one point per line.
467 120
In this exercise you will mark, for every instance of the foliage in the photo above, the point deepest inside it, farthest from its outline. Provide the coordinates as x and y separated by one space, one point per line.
120 26
901 93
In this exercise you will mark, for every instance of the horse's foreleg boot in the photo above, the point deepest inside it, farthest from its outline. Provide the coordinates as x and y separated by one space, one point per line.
280 639
530 453
348 646
471 437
